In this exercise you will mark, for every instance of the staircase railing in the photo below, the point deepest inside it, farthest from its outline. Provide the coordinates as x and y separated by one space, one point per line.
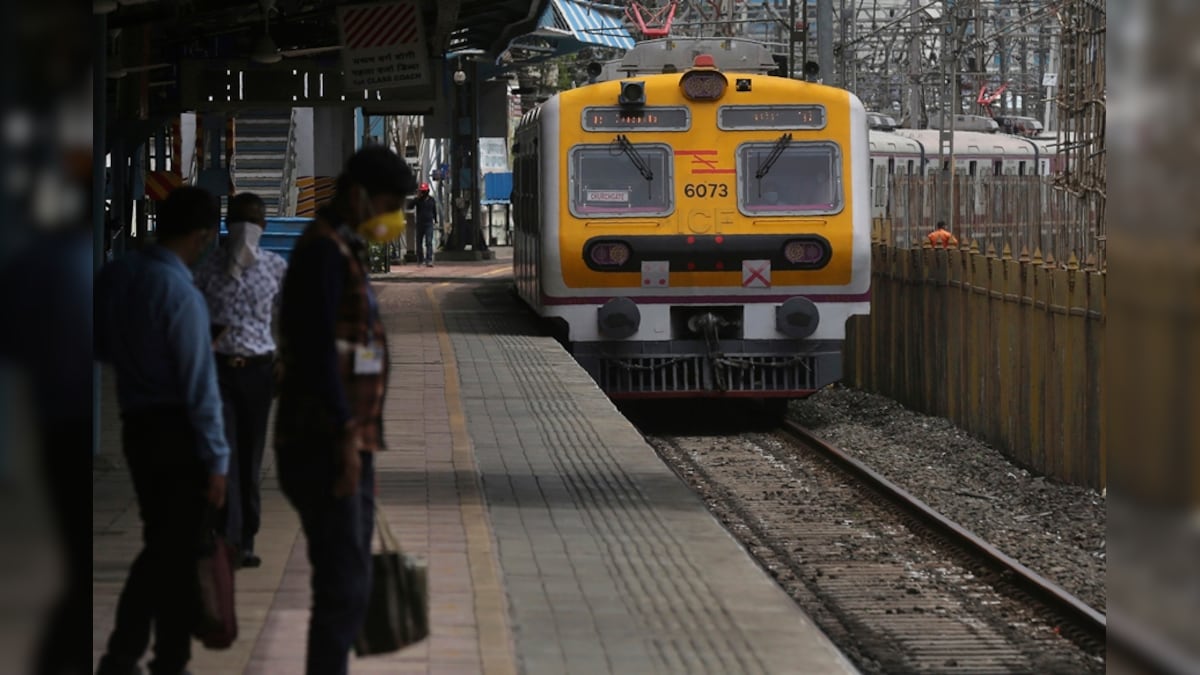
288 190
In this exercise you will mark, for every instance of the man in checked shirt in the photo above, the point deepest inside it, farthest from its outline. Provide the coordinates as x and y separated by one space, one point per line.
241 283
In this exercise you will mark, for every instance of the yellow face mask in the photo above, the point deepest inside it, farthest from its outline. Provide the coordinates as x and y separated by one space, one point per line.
383 227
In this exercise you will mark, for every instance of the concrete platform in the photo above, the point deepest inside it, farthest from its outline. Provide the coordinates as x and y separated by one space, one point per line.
557 541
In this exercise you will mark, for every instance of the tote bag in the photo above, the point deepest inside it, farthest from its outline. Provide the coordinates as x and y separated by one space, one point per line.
216 621
398 608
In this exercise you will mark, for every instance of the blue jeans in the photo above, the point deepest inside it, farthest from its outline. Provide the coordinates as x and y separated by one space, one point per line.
425 243
338 531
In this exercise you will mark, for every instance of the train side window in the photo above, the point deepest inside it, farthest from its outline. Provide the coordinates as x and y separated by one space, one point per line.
971 168
910 167
805 178
1021 168
606 183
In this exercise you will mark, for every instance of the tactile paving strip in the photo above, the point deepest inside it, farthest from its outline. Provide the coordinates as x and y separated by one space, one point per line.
611 563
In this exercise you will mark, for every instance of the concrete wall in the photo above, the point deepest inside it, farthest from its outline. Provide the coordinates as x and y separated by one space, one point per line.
187 134
305 143
325 139
333 140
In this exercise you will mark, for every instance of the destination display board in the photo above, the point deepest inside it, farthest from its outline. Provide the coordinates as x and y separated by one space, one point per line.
660 118
733 117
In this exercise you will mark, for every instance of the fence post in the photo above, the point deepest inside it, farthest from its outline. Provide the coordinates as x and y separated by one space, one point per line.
1094 338
1002 343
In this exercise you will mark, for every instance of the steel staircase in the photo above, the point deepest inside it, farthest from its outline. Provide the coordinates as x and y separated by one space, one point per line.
261 156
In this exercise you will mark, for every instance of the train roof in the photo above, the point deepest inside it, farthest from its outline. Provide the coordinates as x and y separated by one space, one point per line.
669 55
892 143
973 142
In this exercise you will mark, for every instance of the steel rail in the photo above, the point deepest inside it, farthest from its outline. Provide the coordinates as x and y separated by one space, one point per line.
1093 622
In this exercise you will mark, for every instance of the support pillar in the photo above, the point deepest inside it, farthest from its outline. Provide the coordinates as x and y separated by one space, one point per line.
464 169
100 132
118 171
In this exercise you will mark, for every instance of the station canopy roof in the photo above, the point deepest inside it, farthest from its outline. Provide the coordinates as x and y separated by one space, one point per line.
574 25
232 29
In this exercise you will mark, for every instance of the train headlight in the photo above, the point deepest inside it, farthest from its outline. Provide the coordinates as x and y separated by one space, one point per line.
618 318
704 82
800 252
609 253
797 317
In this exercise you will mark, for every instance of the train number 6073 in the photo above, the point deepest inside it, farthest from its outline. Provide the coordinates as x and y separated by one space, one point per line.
703 190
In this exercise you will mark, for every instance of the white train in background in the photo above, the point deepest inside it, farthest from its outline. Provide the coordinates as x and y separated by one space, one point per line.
977 157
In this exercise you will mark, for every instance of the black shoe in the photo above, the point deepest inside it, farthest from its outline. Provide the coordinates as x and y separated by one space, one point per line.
251 560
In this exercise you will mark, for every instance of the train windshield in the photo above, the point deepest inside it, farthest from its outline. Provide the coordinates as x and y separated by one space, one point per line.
620 179
799 178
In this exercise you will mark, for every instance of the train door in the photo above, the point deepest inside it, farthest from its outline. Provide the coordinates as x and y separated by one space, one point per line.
874 188
976 186
887 196
881 180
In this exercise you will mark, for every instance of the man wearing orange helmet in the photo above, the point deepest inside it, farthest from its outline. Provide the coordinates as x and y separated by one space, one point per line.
426 215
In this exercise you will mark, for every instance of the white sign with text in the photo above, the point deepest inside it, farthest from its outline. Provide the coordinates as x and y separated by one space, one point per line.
383 46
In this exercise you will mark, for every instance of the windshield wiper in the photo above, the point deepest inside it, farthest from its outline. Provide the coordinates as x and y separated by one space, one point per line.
776 151
632 153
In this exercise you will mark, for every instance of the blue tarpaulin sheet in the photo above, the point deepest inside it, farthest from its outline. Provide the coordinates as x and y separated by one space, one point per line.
497 187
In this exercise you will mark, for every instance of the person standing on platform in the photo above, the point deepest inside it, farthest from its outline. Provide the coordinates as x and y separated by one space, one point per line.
334 374
426 215
242 283
941 237
152 326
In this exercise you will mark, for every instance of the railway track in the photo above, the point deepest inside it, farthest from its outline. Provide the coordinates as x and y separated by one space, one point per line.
897 585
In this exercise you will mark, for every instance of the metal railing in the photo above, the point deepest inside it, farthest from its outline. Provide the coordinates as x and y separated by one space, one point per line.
289 191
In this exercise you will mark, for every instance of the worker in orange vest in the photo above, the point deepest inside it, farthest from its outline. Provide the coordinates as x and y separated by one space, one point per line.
941 237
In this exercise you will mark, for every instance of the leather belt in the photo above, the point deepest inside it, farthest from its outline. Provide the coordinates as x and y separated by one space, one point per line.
243 361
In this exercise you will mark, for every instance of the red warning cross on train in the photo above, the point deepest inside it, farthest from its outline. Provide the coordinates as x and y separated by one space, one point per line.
756 274
382 25
705 162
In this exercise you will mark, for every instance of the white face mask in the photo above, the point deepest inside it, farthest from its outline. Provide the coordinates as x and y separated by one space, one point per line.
243 246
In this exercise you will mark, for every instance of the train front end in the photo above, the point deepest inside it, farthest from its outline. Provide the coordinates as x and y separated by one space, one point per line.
711 232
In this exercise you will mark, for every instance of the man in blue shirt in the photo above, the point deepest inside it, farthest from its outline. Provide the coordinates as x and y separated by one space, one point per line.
153 327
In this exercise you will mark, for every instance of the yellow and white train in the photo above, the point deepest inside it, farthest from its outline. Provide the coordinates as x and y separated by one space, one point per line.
698 228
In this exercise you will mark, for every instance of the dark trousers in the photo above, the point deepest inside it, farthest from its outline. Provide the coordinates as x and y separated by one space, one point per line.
425 242
338 531
246 393
170 481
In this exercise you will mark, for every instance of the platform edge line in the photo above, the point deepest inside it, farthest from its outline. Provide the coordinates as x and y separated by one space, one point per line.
491 608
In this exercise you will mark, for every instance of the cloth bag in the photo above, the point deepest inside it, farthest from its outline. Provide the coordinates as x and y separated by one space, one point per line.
398 608
216 622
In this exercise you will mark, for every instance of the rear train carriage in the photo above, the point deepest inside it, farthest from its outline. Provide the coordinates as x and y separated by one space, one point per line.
699 232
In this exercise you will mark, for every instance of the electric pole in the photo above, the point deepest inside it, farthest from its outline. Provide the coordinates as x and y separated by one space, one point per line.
914 66
792 38
952 33
825 38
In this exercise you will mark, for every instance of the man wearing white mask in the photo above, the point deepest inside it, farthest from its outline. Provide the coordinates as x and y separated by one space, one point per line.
242 284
